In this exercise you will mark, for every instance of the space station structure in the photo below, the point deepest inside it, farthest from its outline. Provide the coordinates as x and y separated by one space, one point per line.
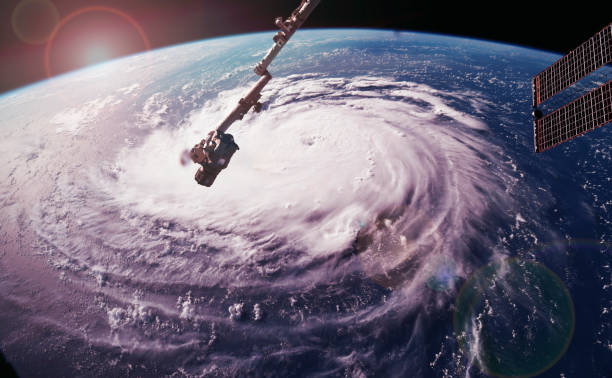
580 115
214 152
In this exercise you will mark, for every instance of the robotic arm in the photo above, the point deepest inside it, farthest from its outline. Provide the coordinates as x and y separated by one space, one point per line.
215 151
287 29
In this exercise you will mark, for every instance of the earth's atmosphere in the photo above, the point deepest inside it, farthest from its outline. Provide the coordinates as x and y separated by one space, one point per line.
385 216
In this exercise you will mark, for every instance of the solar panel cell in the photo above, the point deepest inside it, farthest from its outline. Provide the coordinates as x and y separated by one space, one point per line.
578 63
584 114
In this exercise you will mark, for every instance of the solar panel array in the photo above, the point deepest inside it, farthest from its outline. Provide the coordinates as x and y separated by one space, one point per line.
586 113
586 58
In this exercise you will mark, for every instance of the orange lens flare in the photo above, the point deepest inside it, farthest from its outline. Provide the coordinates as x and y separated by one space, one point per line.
33 21
82 11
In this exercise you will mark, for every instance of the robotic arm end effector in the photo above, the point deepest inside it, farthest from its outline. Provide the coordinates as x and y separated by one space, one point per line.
213 154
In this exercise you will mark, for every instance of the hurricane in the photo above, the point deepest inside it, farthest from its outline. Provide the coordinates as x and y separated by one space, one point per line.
343 190
370 223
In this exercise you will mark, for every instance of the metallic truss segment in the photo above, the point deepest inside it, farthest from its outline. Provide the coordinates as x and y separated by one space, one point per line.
586 58
584 114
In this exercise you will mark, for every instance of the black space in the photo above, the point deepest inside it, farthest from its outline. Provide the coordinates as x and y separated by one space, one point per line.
542 25
6 370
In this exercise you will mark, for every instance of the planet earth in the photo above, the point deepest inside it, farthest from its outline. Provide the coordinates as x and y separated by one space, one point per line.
386 215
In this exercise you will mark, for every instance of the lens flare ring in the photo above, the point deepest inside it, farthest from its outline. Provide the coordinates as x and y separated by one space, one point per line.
79 12
490 335
42 14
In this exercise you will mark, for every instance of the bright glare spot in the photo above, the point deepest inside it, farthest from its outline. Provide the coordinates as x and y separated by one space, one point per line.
96 54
